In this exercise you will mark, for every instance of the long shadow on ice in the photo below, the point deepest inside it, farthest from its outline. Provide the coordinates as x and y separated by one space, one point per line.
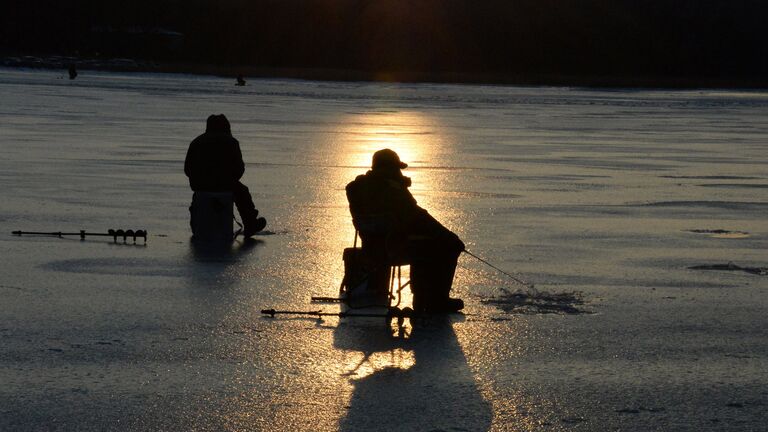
222 252
419 381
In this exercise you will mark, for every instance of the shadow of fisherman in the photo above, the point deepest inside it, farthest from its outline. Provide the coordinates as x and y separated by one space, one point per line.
437 393
214 163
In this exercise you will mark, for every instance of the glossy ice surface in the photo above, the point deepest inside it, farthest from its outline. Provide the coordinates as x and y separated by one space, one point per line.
573 189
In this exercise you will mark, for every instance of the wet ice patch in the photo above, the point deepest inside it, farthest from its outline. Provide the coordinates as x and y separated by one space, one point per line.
721 233
538 302
760 271
640 409
721 205
735 185
573 420
117 266
716 177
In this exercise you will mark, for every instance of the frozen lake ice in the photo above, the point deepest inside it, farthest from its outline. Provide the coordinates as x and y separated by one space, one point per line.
613 193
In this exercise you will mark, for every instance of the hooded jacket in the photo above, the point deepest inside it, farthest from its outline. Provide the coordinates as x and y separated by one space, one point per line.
214 162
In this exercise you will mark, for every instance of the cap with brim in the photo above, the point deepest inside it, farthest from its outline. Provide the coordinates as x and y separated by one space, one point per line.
387 158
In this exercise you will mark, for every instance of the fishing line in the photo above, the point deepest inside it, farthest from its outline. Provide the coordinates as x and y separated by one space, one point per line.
540 302
514 278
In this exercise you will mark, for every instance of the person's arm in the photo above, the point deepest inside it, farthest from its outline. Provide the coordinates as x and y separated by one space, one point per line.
238 168
403 202
189 161
419 219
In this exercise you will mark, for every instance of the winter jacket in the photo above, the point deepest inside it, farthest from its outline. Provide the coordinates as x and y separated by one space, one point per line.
382 206
382 193
214 162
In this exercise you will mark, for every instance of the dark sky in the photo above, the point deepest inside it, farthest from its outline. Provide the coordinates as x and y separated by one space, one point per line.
582 37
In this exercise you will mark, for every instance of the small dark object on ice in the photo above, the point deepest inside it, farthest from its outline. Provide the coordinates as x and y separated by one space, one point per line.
721 233
760 271
525 302
639 409
573 420
628 411
652 410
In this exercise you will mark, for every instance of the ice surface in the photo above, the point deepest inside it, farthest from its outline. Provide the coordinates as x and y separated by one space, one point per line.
593 191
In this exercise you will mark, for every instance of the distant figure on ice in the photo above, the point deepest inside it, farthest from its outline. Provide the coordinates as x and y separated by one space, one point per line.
394 228
214 163
72 71
240 80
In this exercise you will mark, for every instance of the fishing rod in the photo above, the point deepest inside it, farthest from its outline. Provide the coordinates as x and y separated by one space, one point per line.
514 278
125 234
392 312
322 299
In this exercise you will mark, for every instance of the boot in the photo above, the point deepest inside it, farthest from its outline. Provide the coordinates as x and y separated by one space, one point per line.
434 306
449 305
252 226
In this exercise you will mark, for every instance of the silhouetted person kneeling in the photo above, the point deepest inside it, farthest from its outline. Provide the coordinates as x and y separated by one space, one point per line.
394 228
214 163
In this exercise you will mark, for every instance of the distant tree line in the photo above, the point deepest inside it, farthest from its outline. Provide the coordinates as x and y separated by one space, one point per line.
713 38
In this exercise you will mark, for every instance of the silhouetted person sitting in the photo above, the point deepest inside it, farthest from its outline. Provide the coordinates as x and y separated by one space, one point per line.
240 80
214 163
394 228
72 71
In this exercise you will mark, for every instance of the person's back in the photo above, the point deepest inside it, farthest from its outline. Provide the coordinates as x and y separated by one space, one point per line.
382 194
214 163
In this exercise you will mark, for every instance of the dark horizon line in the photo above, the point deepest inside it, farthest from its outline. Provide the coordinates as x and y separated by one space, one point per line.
544 79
